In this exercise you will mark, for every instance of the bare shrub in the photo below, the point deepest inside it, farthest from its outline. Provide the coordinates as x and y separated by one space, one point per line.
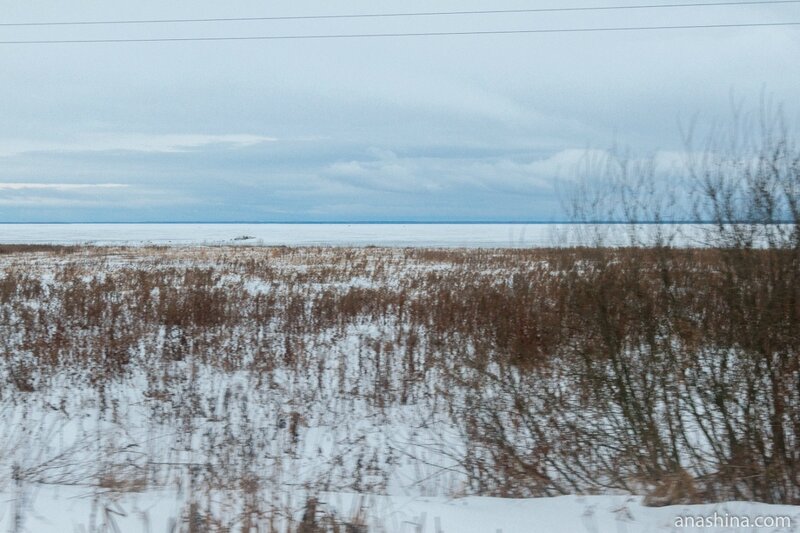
675 372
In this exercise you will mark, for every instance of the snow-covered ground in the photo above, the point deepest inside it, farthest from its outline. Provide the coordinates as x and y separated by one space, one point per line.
438 235
70 509
121 455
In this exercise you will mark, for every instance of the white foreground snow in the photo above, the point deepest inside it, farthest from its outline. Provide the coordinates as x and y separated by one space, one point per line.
68 509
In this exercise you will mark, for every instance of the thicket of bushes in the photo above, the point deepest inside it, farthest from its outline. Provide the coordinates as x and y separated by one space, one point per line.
669 370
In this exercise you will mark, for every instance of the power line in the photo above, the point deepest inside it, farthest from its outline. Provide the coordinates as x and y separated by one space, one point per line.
419 34
409 14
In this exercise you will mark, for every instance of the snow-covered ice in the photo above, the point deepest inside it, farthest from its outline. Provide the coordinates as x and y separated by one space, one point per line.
438 235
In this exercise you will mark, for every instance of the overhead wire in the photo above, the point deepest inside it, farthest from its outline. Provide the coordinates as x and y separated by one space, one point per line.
407 14
404 34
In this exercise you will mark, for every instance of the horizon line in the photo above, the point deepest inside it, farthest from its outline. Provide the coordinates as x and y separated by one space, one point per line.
400 222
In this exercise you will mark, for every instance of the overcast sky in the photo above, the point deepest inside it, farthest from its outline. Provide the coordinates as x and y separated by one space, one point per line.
442 128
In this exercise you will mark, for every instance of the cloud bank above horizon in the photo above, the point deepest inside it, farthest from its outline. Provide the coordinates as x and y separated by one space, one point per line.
470 128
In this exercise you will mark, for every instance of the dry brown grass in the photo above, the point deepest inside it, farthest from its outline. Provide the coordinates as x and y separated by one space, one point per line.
569 370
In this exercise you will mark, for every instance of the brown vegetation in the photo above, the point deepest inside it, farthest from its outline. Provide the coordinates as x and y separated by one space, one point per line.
568 370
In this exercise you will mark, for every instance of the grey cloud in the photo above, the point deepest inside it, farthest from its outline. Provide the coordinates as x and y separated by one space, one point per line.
423 128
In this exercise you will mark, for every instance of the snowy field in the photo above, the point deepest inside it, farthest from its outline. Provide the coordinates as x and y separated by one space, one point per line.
247 389
433 235
65 509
